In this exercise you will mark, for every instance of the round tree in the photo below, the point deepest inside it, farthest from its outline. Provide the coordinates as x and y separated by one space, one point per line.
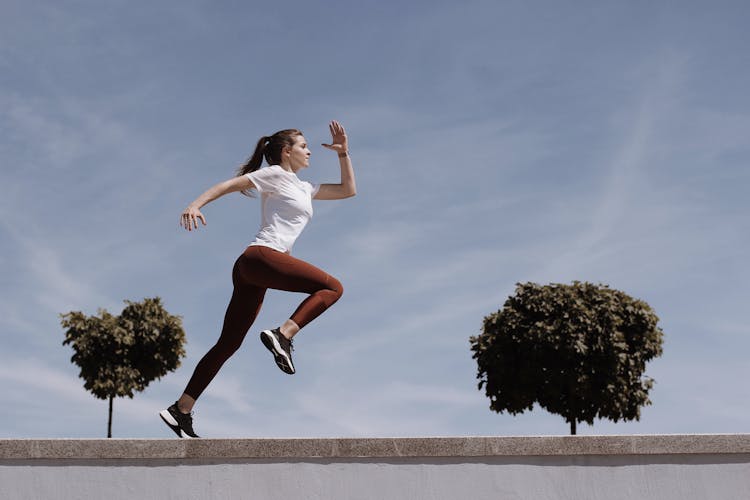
119 355
578 350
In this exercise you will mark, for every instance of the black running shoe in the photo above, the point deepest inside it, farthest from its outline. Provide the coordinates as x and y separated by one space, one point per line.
280 347
180 423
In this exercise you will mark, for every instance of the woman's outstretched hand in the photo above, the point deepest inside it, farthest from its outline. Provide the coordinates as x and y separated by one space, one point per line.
339 141
189 218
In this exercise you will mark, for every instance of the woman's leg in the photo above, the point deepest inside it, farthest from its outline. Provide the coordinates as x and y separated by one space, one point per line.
241 313
268 268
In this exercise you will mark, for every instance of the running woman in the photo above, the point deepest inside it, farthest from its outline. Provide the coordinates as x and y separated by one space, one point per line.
286 207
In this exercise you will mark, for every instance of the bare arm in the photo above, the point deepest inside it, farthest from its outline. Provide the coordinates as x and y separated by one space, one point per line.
190 216
347 187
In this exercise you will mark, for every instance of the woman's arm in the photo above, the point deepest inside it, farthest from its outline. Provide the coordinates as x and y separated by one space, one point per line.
190 216
347 187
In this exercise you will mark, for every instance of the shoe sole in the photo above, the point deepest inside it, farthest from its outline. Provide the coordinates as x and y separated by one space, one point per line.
172 423
272 344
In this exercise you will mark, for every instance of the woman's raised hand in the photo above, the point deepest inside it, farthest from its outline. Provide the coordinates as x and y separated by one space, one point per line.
339 141
189 218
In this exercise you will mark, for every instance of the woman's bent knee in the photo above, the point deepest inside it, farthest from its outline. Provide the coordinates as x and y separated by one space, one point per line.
336 286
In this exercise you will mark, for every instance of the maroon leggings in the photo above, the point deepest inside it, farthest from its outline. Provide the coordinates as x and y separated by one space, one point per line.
256 270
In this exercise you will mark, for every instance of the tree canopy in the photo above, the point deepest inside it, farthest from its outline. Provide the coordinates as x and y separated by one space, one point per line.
578 350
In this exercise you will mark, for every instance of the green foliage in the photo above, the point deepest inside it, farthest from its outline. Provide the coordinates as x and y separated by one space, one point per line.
119 355
577 350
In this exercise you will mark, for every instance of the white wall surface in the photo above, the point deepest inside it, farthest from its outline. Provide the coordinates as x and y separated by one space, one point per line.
601 477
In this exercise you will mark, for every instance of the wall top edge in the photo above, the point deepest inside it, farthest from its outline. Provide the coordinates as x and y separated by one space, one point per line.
382 447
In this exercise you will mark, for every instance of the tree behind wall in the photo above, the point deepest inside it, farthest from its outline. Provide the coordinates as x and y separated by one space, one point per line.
120 355
577 350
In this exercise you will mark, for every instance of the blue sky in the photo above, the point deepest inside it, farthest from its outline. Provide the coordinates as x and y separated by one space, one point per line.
494 142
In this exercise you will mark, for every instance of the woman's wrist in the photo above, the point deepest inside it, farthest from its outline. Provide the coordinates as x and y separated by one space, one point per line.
197 204
343 154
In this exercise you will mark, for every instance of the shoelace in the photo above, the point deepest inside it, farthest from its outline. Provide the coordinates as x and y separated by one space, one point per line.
285 341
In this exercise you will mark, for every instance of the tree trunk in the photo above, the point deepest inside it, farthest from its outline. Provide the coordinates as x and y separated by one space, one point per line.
109 423
573 427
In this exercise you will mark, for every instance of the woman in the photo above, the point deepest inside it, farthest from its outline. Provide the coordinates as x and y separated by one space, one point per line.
286 208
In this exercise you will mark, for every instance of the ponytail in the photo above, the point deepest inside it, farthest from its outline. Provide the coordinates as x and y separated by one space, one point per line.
254 162
269 147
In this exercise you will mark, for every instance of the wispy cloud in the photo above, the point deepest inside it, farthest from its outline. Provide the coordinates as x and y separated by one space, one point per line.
385 411
35 375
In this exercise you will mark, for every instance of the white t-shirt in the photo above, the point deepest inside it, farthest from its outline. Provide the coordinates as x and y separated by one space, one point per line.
286 206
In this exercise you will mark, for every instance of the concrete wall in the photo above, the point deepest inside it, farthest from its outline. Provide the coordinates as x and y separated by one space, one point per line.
473 468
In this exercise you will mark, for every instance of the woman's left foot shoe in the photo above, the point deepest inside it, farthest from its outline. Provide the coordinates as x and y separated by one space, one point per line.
180 423
280 347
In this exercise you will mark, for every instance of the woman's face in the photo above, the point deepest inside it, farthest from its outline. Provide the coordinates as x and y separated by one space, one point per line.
299 154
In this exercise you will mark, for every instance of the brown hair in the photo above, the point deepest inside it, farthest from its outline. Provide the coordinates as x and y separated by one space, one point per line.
269 147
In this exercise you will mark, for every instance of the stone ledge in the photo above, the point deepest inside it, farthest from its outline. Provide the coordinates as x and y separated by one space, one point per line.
677 444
